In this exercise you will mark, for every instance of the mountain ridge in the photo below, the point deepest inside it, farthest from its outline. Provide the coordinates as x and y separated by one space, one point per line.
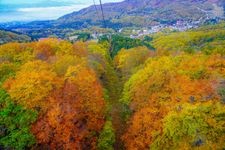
149 12
128 13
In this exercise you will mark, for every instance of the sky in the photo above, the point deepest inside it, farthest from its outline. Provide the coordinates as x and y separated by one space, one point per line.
31 10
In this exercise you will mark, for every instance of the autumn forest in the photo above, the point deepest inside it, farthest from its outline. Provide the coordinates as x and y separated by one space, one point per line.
163 91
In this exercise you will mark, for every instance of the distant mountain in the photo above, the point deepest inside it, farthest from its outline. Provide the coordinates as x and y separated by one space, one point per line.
139 13
6 37
145 13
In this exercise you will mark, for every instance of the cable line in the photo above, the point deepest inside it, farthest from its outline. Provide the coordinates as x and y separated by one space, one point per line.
96 9
103 16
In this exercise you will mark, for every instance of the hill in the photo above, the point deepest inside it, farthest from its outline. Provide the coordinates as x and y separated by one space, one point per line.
129 13
208 39
6 37
145 13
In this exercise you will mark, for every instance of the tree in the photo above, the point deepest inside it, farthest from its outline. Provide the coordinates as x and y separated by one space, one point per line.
84 36
46 48
76 114
15 122
142 126
8 51
80 49
193 127
63 62
6 70
118 42
202 39
64 48
16 52
32 85
107 137
163 85
128 61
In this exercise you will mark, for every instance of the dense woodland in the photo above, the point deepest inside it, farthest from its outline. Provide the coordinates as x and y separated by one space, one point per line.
165 91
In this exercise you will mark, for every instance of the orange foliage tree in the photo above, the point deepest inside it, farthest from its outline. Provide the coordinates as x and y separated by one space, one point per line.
46 48
76 114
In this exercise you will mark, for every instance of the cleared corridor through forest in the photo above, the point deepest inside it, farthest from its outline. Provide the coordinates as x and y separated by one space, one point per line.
116 111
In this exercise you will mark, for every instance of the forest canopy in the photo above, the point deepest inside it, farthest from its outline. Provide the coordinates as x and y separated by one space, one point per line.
164 91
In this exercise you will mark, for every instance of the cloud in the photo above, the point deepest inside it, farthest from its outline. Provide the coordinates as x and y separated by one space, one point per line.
54 12
38 13
26 10
63 9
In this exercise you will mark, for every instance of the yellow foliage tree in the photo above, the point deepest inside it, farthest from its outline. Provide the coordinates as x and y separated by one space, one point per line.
32 84
128 61
164 84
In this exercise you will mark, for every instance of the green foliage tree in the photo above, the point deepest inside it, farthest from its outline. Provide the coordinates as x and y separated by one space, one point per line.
118 42
221 92
107 137
6 70
84 36
15 124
